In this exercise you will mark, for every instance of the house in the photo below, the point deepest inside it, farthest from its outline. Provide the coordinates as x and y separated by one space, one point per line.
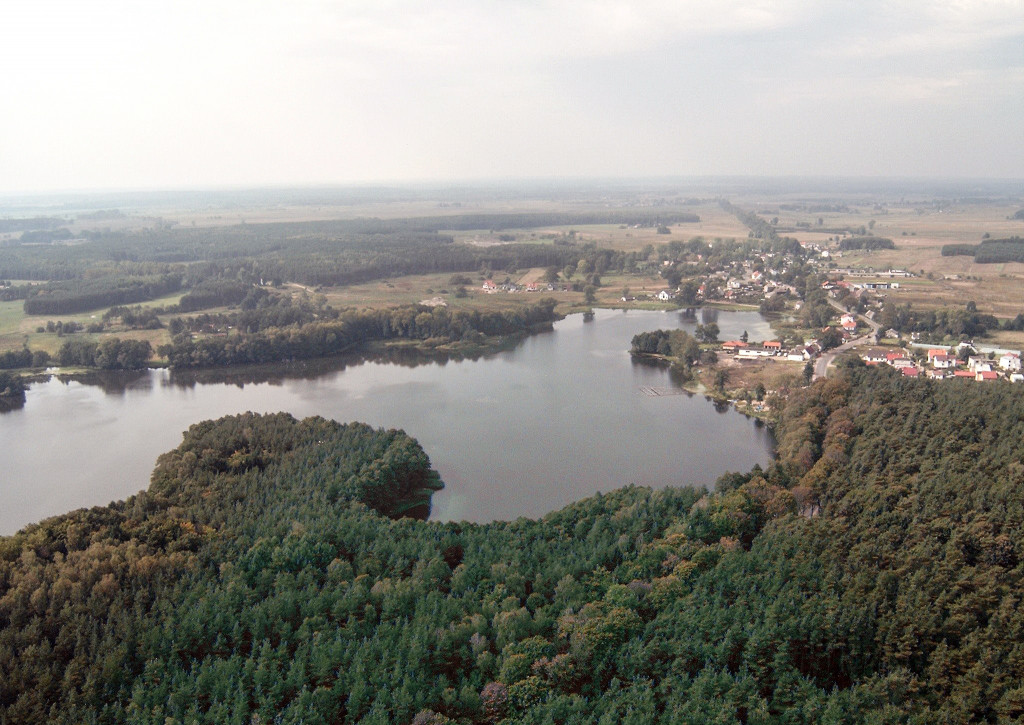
874 356
733 345
664 295
986 375
902 363
963 374
979 364
489 286
751 352
943 362
533 287
774 345
892 333
936 351
1010 361
849 325
910 372
937 374
1016 378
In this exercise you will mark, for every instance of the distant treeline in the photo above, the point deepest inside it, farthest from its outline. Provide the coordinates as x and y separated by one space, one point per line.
214 292
44 236
866 243
492 222
990 251
350 328
759 228
34 223
71 296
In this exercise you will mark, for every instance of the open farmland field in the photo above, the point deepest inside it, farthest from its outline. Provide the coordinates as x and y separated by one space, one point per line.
714 224
919 234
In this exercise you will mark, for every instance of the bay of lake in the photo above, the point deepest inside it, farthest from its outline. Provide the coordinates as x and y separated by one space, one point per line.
522 432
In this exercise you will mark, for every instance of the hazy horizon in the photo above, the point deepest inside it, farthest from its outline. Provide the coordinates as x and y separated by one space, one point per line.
120 96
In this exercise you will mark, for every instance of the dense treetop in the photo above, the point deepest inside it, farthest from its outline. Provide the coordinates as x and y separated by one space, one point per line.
872 574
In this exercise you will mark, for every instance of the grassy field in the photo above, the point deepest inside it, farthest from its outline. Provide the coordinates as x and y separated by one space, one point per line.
18 329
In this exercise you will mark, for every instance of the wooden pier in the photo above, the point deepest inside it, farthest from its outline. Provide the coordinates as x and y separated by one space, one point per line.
659 392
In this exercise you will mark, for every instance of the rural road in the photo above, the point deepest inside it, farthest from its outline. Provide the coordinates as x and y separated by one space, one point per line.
822 363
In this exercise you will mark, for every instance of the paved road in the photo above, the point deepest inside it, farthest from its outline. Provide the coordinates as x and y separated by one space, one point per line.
821 365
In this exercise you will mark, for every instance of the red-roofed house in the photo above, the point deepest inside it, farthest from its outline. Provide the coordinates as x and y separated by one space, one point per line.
986 375
910 372
963 374
773 345
733 345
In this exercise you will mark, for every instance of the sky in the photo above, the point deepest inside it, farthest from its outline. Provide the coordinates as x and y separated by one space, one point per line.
102 94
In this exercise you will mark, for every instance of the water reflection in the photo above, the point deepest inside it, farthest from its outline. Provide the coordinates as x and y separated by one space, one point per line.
9 405
113 382
278 374
519 432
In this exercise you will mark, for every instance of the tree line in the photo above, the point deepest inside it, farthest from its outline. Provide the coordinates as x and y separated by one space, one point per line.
868 243
989 251
319 338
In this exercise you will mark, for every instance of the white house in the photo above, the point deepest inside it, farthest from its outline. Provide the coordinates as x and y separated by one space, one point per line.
979 364
1010 361
755 352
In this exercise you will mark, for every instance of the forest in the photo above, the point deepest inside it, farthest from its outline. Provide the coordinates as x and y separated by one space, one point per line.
989 251
217 266
867 243
276 570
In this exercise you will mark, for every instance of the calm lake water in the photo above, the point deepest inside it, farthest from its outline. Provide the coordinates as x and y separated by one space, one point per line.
518 433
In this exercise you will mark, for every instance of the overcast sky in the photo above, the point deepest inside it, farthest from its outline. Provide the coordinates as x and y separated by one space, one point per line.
103 94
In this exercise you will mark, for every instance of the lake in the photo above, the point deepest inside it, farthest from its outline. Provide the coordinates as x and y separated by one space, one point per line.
519 433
